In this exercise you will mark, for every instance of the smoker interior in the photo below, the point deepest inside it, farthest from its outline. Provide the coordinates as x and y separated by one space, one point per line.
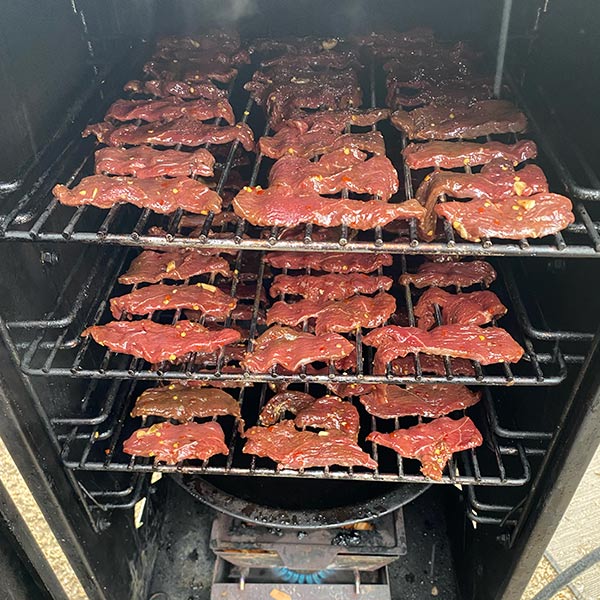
66 403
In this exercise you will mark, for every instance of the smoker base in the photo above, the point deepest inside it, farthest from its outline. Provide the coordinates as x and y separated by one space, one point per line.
185 564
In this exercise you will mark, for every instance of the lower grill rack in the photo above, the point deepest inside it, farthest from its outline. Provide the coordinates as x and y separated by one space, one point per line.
52 346
98 447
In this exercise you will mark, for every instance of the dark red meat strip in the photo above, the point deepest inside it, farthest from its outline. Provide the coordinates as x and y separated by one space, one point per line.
206 299
184 402
487 346
169 109
513 218
426 400
155 342
475 308
178 265
144 162
431 364
445 274
329 413
283 206
337 120
431 443
341 316
467 121
294 449
330 262
286 401
291 349
173 443
163 196
182 89
329 287
452 155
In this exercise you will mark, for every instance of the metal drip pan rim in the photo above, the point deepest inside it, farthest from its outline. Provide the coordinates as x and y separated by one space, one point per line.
310 518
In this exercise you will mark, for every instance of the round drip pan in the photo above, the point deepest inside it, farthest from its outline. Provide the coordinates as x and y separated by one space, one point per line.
299 504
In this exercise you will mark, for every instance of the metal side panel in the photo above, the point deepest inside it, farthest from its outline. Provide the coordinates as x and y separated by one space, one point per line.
74 557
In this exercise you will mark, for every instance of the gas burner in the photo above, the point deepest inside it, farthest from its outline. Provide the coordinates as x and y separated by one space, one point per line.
256 561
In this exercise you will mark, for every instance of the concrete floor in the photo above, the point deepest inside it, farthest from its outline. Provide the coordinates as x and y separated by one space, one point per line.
577 534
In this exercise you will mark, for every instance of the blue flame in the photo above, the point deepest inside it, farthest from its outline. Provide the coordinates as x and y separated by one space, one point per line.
296 577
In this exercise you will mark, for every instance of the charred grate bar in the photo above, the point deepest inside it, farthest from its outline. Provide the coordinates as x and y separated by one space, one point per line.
53 346
37 216
99 448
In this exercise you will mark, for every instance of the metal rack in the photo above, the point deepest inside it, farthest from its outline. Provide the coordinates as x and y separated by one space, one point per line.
53 347
98 447
38 216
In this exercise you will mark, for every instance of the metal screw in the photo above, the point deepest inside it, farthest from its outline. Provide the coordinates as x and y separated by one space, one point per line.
48 258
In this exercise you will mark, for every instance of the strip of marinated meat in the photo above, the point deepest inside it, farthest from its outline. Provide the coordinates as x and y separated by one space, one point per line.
474 308
163 196
177 265
287 401
293 449
181 89
431 443
173 443
452 155
433 365
513 218
487 346
146 163
190 70
291 349
288 140
155 342
329 287
330 412
336 120
184 131
446 274
283 206
340 316
330 262
184 402
388 401
222 40
497 180
337 171
347 390
169 109
207 299
335 60
444 123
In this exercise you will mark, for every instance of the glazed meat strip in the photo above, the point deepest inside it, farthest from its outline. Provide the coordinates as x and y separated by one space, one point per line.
336 120
184 403
155 342
431 443
293 449
182 89
340 316
487 346
163 196
170 109
190 70
329 287
497 180
474 308
287 401
444 123
146 163
431 364
334 60
207 299
292 349
446 274
330 413
290 140
173 443
330 262
513 218
283 206
184 131
177 265
452 155
337 171
388 401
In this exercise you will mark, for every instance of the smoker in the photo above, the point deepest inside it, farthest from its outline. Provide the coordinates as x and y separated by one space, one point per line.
82 519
